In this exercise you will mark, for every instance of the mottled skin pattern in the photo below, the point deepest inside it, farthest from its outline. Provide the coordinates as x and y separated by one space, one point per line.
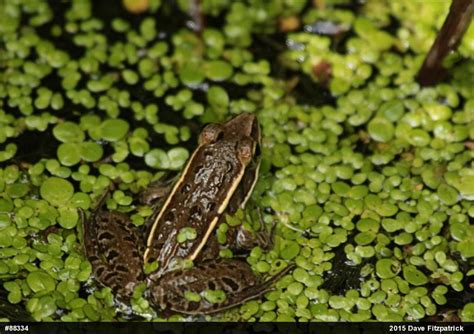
232 276
217 180
113 248
200 196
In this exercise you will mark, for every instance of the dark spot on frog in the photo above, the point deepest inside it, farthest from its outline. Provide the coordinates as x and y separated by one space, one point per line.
211 265
106 235
197 169
233 267
100 271
112 254
169 216
122 268
185 188
210 206
231 283
109 276
196 211
192 306
129 238
211 285
228 166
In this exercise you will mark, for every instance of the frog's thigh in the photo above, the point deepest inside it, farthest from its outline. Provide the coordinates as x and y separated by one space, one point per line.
111 247
233 276
157 191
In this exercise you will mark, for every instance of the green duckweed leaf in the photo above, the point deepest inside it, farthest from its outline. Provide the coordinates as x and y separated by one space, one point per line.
40 281
414 276
68 132
114 129
56 191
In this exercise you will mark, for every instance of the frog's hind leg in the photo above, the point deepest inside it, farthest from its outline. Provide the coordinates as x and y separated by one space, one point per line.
234 277
110 241
251 292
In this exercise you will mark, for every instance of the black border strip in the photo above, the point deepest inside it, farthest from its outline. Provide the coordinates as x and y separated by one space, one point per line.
237 328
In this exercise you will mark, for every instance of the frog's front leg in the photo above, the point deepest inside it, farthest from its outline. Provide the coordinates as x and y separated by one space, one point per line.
112 246
184 291
239 238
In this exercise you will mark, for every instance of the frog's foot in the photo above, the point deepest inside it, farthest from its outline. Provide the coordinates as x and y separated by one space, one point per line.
187 291
111 245
241 239
210 250
265 236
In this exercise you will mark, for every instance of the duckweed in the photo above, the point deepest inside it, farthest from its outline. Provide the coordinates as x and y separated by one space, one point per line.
186 233
113 129
56 191
414 276
68 132
214 296
381 129
40 282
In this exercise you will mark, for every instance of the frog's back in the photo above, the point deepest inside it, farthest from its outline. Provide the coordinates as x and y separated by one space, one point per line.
198 199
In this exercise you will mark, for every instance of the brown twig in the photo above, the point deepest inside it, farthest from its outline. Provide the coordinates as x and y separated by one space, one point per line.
448 39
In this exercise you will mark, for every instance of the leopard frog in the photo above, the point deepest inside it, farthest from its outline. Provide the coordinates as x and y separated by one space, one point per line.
217 180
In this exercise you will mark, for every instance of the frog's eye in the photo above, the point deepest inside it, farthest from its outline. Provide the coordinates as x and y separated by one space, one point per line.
211 133
245 150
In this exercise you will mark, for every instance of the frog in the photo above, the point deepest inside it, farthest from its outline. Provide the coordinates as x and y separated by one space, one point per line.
216 181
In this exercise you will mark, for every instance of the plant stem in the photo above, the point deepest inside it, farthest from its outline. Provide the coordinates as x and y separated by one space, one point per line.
448 39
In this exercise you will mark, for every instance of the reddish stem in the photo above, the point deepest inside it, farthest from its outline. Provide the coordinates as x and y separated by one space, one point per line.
448 39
